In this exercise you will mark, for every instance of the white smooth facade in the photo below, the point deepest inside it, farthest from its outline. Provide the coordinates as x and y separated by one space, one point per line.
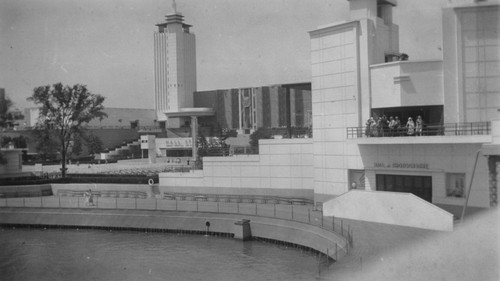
175 68
350 79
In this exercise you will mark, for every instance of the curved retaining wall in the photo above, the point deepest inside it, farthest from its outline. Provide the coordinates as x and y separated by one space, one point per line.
292 232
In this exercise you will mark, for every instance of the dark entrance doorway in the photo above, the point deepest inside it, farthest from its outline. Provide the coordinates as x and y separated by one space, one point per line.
420 186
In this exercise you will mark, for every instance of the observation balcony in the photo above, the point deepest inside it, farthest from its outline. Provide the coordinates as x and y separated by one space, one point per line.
472 132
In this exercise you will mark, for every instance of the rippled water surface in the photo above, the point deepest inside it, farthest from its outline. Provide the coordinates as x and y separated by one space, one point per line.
117 255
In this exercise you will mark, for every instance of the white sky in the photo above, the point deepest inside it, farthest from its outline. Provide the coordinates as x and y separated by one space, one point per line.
108 44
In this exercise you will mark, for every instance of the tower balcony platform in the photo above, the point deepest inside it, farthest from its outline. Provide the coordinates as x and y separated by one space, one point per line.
473 132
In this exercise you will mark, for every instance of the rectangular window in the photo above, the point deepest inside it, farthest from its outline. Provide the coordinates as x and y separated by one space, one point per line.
455 185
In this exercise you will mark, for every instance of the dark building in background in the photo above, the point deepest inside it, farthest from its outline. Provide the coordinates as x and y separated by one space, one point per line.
247 109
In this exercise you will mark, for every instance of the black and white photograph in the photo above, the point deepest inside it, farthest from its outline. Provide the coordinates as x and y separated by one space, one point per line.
249 140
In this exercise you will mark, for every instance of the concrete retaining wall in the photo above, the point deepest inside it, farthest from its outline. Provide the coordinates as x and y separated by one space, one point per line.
26 190
102 187
281 164
288 231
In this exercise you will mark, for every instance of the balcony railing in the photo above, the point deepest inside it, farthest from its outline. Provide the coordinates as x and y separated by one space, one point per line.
288 133
444 129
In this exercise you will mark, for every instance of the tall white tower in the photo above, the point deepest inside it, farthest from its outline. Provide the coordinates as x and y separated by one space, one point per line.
341 55
175 68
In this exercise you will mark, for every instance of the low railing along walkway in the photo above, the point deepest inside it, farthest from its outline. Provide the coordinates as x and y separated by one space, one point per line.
298 213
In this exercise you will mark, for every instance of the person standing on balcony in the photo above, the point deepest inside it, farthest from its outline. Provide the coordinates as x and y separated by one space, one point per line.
397 127
392 126
419 124
384 124
368 126
410 126
375 128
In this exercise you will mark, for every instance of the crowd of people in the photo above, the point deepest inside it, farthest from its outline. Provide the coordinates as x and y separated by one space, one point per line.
392 126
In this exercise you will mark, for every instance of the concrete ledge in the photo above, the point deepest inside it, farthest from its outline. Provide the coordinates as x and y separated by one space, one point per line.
298 233
26 190
101 187
289 193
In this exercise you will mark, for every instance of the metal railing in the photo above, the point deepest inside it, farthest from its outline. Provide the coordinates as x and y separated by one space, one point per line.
289 133
123 176
298 213
444 129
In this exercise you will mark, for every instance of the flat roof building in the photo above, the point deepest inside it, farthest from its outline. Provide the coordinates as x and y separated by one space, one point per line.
448 112
359 73
248 109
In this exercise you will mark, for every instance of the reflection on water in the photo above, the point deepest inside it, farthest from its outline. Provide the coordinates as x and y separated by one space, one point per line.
117 255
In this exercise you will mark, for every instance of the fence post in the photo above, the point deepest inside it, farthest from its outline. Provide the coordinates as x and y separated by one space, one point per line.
196 205
176 204
333 223
116 203
336 252
309 215
156 203
59 201
349 234
292 211
319 264
78 201
321 218
237 207
255 208
274 209
135 202
217 207
97 202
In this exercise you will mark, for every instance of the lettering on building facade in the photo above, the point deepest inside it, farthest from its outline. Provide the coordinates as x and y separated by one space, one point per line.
176 143
402 165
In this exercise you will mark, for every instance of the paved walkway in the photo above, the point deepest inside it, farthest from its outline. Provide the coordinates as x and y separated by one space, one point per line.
383 252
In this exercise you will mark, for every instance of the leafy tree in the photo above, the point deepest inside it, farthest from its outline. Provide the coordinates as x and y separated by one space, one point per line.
5 114
227 133
46 142
93 142
63 111
3 160
76 146
19 141
260 133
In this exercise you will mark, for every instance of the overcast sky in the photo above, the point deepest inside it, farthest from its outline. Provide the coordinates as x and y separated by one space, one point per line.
108 44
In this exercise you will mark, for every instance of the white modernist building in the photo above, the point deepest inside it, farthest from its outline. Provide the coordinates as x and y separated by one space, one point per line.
358 72
175 68
355 77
